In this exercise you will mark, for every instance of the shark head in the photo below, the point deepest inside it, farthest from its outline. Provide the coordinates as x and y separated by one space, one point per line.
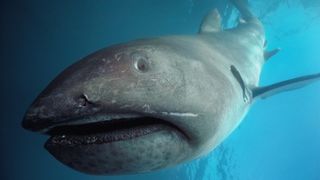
124 109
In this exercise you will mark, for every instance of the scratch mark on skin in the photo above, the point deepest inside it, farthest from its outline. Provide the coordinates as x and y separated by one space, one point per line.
180 114
100 89
126 106
113 79
118 56
147 108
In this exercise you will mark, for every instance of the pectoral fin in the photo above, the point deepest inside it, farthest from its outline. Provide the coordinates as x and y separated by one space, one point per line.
288 85
269 54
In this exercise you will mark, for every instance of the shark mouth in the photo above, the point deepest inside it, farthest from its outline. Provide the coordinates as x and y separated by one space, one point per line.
110 130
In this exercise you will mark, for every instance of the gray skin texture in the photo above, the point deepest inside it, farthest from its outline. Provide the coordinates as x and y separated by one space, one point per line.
185 81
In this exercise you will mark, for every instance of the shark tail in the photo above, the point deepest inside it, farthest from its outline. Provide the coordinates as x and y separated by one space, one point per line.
243 8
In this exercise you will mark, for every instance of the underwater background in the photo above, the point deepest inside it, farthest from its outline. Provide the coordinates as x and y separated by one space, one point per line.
279 138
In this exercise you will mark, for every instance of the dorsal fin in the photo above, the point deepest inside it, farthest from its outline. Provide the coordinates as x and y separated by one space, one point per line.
211 22
268 54
288 85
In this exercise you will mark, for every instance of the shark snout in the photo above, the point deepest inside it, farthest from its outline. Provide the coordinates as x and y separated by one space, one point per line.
48 111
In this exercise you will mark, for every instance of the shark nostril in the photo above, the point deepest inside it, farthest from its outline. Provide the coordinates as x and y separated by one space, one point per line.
83 101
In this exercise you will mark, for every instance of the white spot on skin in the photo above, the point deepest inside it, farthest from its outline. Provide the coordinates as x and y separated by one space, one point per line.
113 101
132 85
115 92
180 114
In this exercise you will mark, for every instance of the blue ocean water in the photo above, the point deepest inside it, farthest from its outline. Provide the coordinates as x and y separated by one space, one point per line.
279 138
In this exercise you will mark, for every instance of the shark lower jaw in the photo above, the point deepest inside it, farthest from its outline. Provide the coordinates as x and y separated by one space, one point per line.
126 145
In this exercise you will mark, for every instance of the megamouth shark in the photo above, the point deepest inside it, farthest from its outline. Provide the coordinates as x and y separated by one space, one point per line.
154 103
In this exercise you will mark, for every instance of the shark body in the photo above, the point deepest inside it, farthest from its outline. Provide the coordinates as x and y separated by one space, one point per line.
154 103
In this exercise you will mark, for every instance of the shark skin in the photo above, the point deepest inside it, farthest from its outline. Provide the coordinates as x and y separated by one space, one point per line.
154 103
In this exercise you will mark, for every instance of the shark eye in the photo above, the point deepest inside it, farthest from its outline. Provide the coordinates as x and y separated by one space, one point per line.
140 62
